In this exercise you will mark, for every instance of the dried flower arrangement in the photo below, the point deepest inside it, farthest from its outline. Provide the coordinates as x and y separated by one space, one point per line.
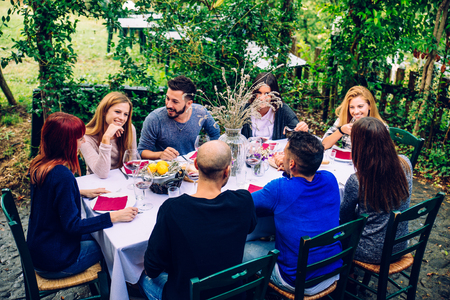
230 109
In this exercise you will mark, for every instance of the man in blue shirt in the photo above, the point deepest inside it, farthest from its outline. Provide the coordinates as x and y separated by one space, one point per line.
303 202
171 130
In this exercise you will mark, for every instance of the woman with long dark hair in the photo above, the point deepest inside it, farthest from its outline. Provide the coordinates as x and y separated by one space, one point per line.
382 183
358 103
271 121
109 134
58 239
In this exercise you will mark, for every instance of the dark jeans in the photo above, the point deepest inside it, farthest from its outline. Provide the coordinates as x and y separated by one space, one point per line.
90 254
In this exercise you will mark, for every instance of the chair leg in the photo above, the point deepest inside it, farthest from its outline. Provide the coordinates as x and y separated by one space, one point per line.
352 287
382 288
103 285
93 287
365 281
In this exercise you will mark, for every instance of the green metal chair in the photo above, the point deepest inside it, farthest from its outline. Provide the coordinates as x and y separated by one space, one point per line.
350 233
37 287
404 137
393 263
231 277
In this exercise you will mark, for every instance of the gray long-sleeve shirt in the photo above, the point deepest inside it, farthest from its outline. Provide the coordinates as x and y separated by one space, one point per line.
159 131
370 246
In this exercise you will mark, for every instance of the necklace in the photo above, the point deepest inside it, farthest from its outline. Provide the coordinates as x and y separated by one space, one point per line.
181 129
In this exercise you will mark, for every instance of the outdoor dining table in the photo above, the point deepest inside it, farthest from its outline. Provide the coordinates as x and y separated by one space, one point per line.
124 244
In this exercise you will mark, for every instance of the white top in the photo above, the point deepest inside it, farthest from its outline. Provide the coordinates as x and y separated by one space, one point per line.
263 126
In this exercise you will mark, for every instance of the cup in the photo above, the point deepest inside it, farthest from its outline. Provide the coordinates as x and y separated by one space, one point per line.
332 155
139 193
173 191
241 175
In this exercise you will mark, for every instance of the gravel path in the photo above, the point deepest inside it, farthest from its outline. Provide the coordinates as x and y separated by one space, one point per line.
434 282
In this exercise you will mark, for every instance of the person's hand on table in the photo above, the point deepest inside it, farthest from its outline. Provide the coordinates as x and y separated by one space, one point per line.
169 153
278 158
302 126
124 215
92 193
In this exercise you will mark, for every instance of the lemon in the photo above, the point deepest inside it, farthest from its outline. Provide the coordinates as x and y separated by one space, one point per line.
152 168
162 169
163 163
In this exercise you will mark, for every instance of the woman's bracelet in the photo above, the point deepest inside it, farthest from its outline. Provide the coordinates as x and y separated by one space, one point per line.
339 128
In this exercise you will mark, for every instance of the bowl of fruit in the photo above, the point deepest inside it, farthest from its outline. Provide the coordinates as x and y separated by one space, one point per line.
165 174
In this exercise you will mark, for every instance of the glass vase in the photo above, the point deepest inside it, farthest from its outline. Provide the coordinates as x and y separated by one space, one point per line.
237 143
260 169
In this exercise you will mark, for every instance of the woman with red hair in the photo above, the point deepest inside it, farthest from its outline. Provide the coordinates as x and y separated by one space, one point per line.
58 239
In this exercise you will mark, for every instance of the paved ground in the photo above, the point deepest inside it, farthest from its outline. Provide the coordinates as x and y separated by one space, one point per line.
434 278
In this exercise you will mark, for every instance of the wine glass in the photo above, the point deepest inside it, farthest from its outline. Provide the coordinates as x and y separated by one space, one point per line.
253 155
192 173
200 140
142 182
131 162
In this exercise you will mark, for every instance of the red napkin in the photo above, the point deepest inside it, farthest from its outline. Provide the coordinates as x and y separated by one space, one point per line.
343 154
110 203
193 155
271 146
253 188
143 164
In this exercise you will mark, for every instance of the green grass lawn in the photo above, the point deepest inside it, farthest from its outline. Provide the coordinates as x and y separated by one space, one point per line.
89 42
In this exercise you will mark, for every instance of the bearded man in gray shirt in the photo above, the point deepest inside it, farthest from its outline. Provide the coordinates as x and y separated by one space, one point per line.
171 131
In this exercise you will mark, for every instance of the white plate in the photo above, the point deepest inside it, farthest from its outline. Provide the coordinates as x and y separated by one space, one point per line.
343 160
188 156
131 201
123 169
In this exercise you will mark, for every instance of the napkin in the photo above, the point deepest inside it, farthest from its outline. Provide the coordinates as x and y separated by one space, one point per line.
193 155
143 164
253 188
271 146
110 203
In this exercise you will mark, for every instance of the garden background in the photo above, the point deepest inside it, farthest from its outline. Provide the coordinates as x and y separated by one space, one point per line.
398 49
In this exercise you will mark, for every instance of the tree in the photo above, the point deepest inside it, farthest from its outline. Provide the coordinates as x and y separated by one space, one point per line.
3 84
440 24
47 30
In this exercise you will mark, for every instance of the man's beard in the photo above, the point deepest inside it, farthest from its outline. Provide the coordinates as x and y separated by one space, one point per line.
177 113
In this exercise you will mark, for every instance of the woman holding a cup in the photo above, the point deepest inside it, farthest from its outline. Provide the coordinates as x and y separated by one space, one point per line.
358 103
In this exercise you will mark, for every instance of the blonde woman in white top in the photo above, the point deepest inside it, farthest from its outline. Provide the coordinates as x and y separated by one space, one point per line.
109 134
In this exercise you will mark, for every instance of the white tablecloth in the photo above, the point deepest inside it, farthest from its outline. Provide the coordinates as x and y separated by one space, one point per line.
124 244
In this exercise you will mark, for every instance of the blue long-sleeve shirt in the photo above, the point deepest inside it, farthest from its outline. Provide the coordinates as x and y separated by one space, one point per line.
300 208
159 131
55 226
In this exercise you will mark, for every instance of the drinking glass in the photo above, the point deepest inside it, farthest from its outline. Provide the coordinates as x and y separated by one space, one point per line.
192 174
131 162
332 156
173 191
253 155
200 140
142 182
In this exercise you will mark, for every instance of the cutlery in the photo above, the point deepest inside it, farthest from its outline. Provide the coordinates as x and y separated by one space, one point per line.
184 157
124 174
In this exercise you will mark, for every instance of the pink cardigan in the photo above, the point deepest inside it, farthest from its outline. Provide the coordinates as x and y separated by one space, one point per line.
100 159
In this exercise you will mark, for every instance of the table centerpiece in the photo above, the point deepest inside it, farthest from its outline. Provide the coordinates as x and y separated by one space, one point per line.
232 110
